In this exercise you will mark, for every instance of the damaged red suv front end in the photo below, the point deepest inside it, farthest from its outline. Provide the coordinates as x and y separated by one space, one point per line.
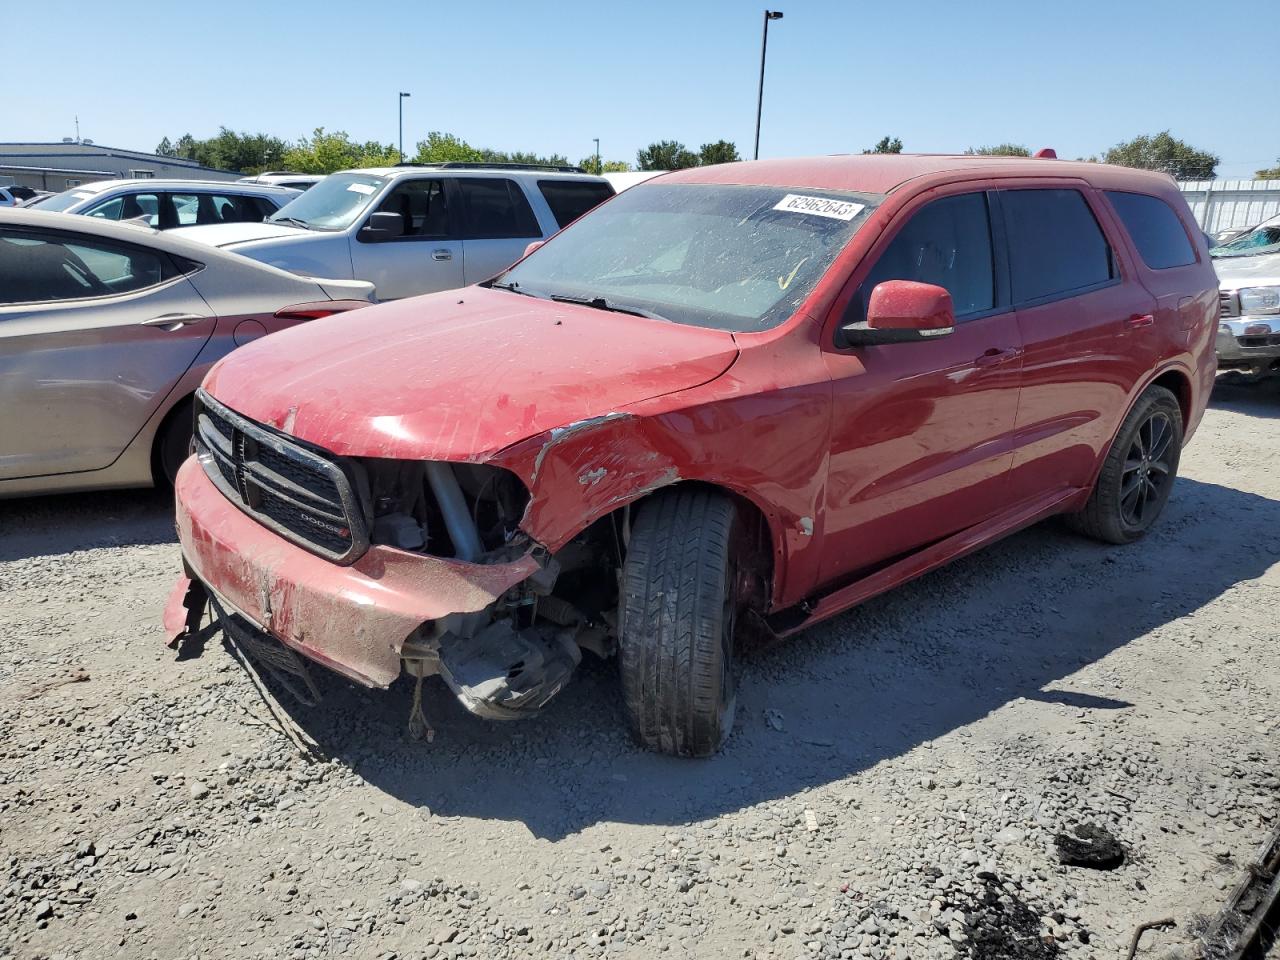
419 506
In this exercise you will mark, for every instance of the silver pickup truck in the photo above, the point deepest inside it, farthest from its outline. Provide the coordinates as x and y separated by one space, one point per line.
1249 287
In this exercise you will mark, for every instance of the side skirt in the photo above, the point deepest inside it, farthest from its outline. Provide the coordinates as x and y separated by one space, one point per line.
824 606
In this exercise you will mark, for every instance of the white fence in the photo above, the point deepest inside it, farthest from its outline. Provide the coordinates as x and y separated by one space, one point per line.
1231 204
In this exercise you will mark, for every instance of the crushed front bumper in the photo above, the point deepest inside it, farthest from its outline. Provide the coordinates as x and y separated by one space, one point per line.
1248 341
353 619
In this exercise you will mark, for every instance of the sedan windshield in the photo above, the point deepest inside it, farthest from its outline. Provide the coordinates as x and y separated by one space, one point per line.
1261 239
332 204
711 255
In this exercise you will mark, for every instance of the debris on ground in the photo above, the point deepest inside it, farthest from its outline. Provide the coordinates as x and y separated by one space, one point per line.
1089 845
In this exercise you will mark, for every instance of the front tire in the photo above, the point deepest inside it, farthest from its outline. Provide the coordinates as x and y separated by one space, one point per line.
680 600
1137 476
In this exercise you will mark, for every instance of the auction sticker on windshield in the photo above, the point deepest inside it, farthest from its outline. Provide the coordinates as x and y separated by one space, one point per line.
360 188
820 206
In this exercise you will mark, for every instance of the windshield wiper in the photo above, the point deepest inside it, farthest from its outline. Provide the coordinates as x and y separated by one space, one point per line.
292 221
511 286
600 303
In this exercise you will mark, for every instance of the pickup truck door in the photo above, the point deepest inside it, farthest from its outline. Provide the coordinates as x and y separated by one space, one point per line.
427 258
93 336
498 224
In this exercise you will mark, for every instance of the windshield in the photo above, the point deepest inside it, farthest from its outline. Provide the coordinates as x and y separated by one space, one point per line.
710 255
1264 238
66 199
332 204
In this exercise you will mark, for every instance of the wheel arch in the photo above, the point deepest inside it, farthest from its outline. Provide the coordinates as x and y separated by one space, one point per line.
175 409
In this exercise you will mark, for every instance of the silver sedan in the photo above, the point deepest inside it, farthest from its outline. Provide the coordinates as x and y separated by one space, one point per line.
106 330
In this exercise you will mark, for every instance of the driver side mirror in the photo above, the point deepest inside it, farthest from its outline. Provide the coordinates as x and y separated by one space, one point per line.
382 225
902 311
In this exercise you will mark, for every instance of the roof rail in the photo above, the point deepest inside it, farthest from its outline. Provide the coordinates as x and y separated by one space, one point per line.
484 165
283 173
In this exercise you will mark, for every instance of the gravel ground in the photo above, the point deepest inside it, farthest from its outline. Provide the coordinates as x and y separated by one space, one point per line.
892 789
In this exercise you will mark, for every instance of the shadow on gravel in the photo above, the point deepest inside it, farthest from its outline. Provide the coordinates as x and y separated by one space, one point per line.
48 526
1260 399
905 668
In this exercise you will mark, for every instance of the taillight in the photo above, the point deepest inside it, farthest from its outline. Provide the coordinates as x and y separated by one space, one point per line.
318 309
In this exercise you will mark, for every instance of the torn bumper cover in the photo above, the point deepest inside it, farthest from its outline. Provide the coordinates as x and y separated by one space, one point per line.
353 619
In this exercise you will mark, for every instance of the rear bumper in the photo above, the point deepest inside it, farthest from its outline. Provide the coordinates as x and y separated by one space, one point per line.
353 619
1248 338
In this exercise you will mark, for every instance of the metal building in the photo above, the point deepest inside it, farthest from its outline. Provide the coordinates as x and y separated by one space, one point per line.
56 166
1220 205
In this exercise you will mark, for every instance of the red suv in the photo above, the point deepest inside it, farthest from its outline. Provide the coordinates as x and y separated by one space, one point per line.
733 400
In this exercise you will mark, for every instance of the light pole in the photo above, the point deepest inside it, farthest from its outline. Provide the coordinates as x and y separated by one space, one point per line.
764 46
402 96
597 140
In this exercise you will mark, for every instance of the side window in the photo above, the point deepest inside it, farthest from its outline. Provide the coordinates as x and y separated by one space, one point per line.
421 203
186 209
41 267
131 206
570 199
261 206
1055 244
110 210
1155 229
496 208
947 243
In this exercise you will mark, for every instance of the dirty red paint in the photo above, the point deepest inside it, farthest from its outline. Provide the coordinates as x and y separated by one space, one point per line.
853 456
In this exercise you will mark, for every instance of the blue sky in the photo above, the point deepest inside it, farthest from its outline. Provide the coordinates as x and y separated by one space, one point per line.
549 77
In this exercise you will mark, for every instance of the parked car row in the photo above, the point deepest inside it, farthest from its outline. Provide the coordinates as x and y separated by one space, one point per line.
731 401
169 204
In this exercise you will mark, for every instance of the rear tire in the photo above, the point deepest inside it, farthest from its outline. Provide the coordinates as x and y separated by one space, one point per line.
680 600
1138 474
173 445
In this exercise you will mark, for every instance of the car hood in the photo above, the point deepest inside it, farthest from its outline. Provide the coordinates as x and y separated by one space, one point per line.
1262 270
226 234
460 375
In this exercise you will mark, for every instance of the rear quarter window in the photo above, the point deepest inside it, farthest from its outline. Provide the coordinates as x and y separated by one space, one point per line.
570 199
1155 229
1056 247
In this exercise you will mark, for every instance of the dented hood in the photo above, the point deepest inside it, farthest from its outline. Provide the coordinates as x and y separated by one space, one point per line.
460 375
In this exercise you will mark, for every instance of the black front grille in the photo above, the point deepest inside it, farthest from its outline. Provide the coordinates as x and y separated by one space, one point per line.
1230 307
298 492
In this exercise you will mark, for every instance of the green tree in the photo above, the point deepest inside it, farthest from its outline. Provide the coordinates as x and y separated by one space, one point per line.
606 166
999 150
666 155
1165 153
886 145
326 152
1272 173
722 151
228 150
446 148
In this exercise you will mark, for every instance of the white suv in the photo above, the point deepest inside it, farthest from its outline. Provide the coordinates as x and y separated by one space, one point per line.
169 204
414 229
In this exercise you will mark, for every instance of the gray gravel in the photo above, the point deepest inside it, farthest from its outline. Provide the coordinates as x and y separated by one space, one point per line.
892 788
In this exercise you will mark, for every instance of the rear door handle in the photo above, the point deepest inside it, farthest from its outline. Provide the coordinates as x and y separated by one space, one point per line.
173 321
996 356
1140 320
442 254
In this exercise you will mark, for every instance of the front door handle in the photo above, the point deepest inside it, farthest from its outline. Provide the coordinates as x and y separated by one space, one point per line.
996 356
173 321
1140 320
442 254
